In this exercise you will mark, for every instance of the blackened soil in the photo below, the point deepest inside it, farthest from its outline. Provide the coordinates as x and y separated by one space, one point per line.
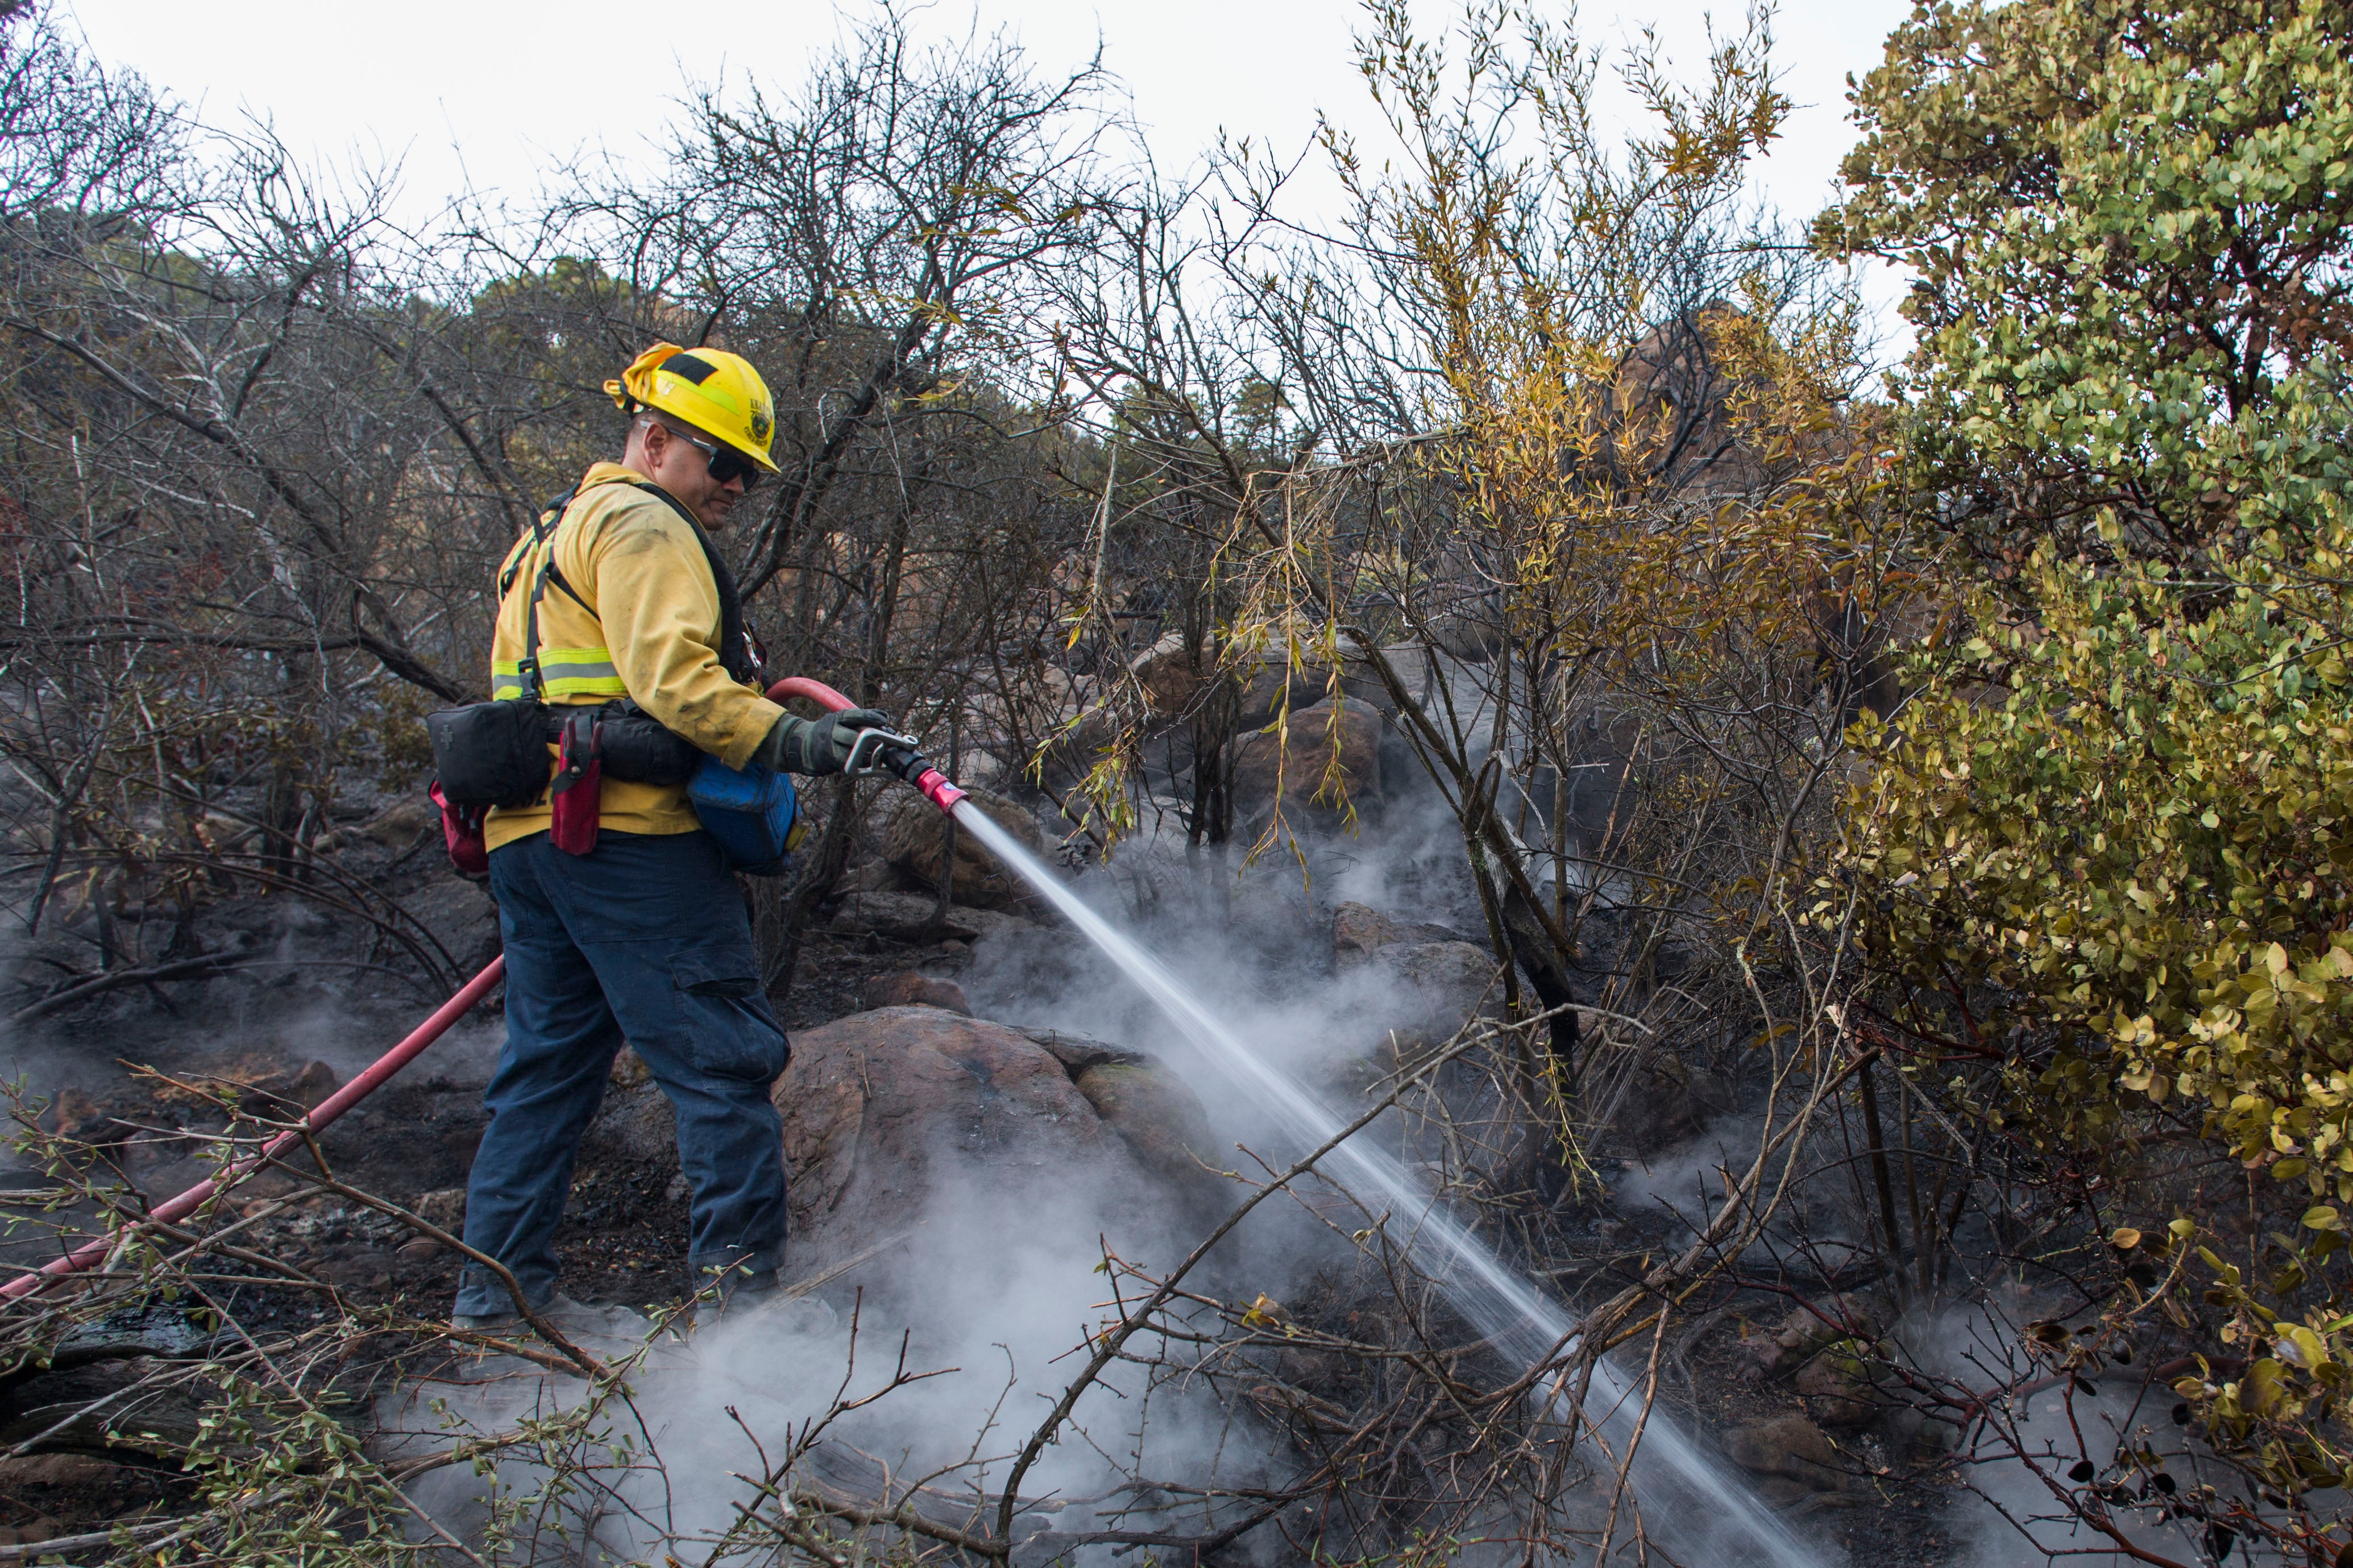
46 1496
407 1146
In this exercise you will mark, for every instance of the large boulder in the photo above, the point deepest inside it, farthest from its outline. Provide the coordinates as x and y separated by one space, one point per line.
1434 987
888 1110
1159 1118
1262 760
1268 682
1170 678
1154 1110
1788 1448
915 841
1358 931
885 1110
1839 1387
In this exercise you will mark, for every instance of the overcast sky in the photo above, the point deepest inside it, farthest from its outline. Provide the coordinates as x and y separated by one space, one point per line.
500 93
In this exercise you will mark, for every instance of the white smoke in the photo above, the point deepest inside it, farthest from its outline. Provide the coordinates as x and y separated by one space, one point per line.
998 1298
993 1305
2022 1463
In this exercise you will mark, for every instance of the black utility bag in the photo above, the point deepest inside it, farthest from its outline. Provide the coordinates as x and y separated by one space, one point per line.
494 754
635 746
491 754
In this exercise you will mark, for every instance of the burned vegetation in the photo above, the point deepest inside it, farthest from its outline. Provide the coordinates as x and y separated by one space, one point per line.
1590 930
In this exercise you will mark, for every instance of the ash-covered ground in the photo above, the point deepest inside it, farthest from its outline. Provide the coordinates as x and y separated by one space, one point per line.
994 1277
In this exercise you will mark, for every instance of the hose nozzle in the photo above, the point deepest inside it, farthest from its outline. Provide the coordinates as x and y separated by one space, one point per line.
905 762
917 769
876 750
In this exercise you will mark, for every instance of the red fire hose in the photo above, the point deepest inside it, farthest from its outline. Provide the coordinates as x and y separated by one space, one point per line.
334 1106
936 786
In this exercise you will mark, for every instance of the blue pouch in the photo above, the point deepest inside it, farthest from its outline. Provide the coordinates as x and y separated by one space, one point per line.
751 811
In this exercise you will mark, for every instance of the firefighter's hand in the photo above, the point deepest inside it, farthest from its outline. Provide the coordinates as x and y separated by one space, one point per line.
824 745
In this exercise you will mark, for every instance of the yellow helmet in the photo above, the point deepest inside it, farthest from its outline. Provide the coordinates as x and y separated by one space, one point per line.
711 389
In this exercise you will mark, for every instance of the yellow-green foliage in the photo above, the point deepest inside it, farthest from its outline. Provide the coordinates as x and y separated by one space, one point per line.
2129 226
2110 841
2136 828
2122 811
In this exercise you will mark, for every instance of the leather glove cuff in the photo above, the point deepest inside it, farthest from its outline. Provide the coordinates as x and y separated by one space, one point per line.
782 751
818 746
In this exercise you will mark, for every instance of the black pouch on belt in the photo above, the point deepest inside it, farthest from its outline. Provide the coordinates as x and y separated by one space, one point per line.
491 753
634 747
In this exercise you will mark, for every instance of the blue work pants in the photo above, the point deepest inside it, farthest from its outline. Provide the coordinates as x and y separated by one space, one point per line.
645 940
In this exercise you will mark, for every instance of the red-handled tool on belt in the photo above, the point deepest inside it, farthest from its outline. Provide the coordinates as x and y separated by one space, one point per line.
578 784
898 757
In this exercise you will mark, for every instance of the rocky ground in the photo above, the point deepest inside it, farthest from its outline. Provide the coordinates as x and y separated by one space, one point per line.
894 1092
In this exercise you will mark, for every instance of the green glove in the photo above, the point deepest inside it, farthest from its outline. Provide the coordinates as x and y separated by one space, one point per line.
817 746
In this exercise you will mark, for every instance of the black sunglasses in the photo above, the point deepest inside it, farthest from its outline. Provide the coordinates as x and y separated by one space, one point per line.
727 465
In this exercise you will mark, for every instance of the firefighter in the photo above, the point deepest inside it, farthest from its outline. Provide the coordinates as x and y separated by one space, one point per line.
645 937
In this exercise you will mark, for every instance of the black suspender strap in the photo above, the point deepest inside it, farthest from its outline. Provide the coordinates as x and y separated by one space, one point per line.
544 528
542 535
736 654
528 665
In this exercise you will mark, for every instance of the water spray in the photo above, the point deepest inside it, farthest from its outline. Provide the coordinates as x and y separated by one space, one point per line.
1676 1478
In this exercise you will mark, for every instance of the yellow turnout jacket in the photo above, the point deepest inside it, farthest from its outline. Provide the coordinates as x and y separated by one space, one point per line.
644 623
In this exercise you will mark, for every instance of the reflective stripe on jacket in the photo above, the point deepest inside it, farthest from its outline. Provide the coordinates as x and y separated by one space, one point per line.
564 673
630 611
